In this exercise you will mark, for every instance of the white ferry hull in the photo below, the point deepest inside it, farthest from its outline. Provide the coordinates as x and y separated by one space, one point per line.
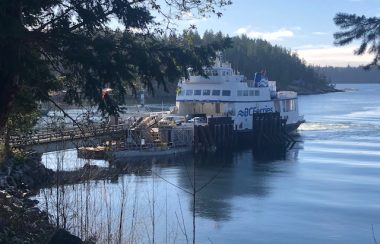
227 94
242 113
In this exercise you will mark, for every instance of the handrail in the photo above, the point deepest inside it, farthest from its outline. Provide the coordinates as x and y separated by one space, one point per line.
59 134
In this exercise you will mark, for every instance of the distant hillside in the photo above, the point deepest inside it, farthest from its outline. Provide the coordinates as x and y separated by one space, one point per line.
350 74
254 55
291 73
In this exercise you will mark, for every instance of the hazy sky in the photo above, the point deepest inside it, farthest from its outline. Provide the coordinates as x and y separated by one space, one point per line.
304 26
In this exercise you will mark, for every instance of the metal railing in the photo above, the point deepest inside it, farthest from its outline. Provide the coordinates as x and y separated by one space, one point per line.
63 134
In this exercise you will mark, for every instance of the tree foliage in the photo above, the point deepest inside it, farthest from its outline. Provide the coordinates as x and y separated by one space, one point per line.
255 55
350 74
46 45
22 119
248 56
367 30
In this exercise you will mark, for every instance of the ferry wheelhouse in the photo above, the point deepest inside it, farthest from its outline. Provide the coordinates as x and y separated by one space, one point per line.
226 93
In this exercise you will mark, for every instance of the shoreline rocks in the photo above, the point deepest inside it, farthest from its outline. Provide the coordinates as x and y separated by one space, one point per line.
302 90
21 221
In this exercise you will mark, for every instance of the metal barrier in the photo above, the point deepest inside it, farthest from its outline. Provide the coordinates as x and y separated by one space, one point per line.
63 134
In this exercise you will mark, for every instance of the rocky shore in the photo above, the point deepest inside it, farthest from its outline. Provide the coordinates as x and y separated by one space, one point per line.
21 221
301 90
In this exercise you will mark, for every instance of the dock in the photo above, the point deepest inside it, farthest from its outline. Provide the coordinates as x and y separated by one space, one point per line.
146 138
47 140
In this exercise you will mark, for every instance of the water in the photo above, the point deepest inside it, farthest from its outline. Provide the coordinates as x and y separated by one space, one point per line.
327 190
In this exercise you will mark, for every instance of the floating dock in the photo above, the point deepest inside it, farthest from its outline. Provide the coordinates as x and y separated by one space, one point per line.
146 138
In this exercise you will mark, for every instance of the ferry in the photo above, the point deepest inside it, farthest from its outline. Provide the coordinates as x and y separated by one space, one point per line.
226 93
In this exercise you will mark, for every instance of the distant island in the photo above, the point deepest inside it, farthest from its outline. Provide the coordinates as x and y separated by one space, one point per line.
349 74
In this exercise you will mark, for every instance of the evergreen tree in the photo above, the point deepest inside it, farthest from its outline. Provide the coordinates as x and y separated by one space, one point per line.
47 45
360 28
255 55
350 74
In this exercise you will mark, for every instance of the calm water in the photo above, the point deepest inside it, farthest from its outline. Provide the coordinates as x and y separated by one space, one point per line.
327 190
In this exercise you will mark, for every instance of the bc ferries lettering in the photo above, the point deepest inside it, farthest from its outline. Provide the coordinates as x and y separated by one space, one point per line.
250 111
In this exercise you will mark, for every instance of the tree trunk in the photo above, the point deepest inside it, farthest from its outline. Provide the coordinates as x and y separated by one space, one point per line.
7 96
11 33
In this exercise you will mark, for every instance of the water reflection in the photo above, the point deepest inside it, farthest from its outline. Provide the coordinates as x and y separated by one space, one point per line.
219 178
223 176
327 192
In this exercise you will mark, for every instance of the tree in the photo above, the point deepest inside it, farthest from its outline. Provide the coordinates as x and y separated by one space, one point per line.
48 45
359 28
249 56
22 119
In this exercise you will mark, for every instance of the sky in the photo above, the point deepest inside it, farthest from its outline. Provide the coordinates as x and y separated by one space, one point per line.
303 26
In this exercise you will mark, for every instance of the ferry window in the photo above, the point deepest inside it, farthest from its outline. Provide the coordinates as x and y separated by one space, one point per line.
292 105
197 92
206 92
214 72
251 92
245 93
182 92
217 108
257 92
216 92
224 73
240 93
289 105
189 92
226 93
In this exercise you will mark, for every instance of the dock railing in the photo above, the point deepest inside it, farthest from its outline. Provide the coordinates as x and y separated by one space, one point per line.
63 134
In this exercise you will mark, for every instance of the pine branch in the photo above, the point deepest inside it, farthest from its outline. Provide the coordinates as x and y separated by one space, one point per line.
366 30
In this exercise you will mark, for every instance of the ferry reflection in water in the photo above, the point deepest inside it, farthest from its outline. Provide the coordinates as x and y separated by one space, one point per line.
224 176
219 178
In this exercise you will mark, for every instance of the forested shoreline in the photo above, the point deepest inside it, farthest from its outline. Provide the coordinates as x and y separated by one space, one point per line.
350 74
248 56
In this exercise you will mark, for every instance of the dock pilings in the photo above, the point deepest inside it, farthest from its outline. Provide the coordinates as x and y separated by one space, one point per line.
270 133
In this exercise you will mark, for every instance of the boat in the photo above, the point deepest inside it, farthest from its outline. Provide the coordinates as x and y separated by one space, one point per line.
218 109
223 92
98 152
